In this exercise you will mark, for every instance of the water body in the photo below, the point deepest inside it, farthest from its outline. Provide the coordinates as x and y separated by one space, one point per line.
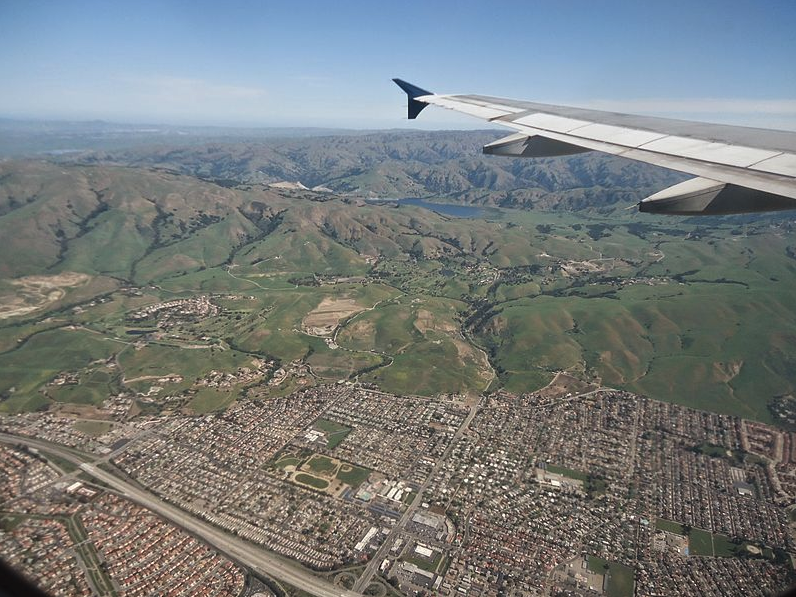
448 209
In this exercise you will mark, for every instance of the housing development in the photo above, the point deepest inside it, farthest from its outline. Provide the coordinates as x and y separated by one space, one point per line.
573 489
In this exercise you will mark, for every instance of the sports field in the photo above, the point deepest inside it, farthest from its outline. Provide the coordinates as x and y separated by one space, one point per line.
620 578
335 432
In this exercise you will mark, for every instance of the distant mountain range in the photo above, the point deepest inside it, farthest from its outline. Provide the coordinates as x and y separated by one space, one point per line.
444 165
32 138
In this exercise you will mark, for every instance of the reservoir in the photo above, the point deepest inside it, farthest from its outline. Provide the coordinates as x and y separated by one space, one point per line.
447 209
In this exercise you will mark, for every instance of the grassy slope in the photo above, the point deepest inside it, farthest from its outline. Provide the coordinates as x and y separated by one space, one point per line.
718 334
422 336
40 358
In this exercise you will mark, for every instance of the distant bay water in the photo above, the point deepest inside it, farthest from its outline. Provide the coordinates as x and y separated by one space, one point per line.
448 209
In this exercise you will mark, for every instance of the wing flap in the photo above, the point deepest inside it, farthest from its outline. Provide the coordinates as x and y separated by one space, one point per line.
551 122
721 153
618 135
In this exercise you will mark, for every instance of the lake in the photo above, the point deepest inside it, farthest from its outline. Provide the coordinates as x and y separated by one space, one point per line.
448 209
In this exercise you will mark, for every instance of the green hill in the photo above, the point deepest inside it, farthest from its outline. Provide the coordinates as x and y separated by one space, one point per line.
447 164
695 311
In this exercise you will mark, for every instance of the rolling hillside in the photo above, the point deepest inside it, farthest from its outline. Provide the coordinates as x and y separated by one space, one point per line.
399 164
692 311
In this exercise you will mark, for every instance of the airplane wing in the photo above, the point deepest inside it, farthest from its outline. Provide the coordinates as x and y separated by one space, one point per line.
737 169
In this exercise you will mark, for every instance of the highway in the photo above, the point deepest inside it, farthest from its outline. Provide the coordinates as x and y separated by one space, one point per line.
259 560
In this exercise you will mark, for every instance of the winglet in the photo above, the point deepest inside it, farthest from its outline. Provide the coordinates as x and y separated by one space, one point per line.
413 91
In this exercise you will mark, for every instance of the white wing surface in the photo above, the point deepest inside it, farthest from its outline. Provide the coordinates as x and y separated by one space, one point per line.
737 169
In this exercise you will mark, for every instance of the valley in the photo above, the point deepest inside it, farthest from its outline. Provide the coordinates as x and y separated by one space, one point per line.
328 287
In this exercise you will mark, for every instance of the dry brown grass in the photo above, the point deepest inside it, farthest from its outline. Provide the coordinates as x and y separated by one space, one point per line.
32 293
324 318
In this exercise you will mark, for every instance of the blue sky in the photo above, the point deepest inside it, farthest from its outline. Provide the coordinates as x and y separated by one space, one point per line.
330 63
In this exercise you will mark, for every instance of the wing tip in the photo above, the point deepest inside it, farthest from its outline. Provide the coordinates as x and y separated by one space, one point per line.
412 91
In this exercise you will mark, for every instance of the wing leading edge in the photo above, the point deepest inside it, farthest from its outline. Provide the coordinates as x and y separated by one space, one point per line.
737 169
